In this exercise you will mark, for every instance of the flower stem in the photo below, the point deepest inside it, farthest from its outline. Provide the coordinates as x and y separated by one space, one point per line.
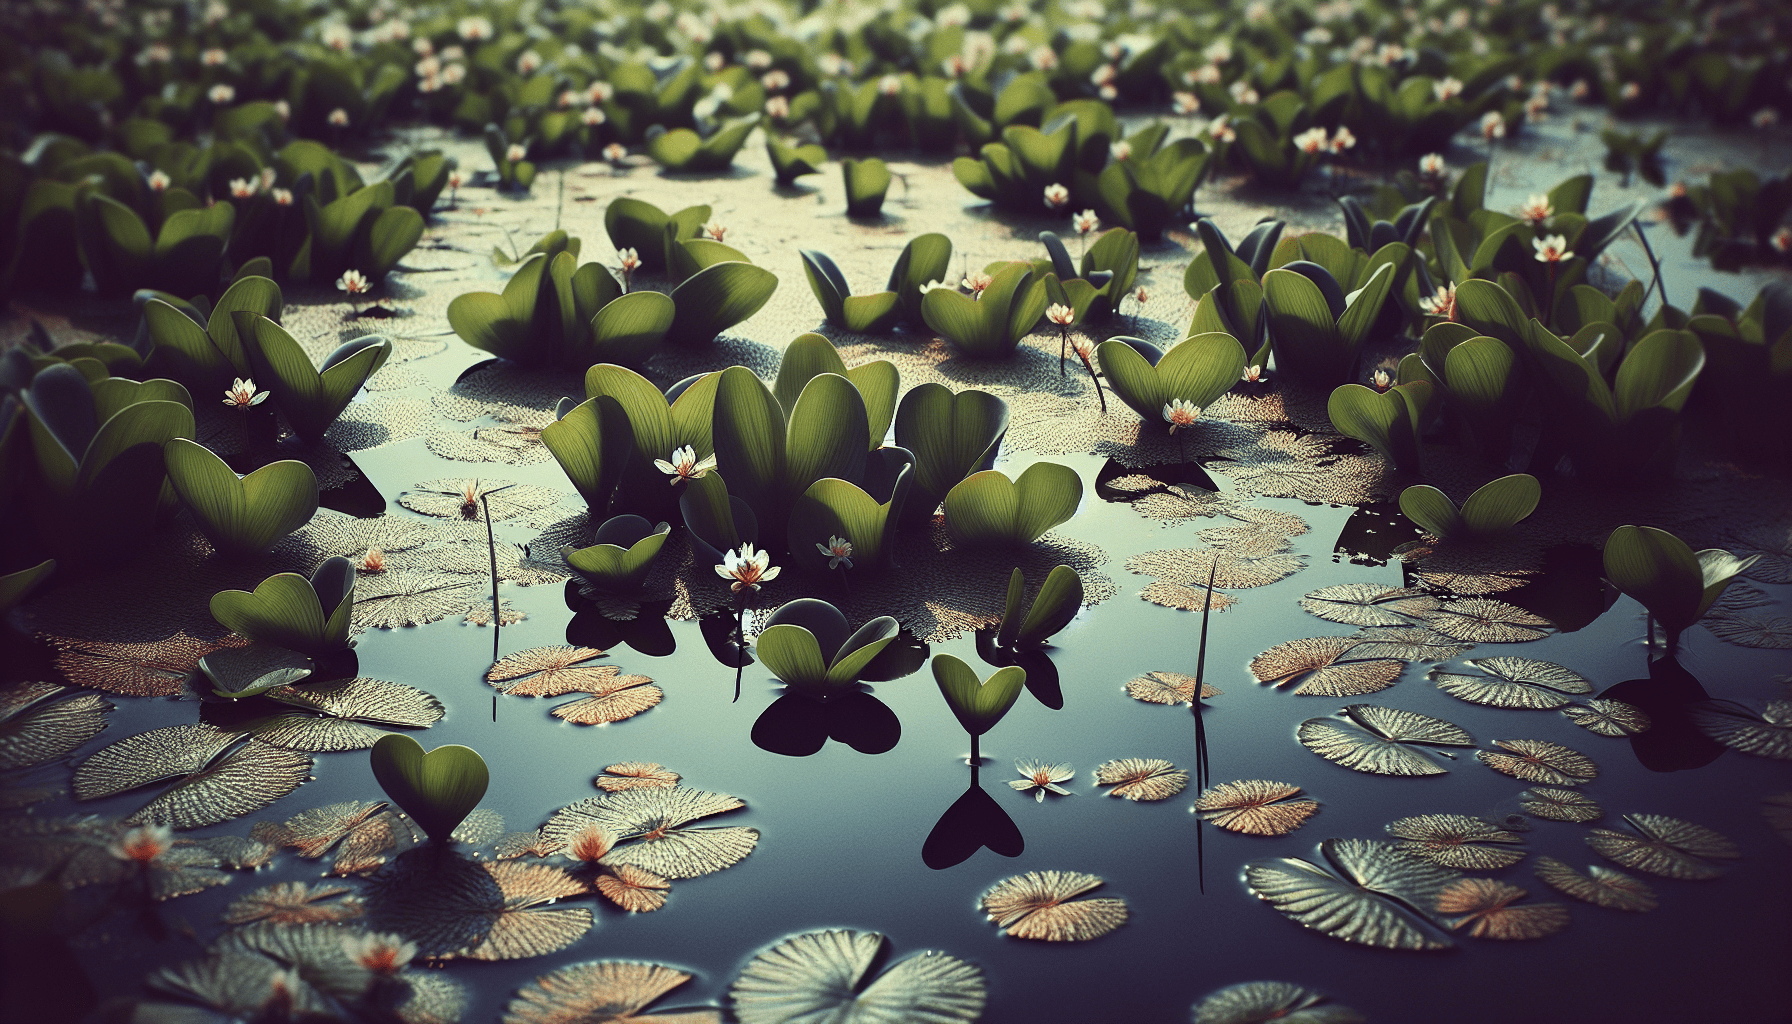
491 548
1063 348
1098 393
740 645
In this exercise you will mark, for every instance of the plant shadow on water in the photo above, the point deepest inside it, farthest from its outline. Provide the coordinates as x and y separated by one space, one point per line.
973 822
1166 474
798 726
1673 742
1372 532
1042 674
648 632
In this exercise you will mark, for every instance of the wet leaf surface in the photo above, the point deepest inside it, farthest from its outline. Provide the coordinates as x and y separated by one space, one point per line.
294 903
1168 688
1669 847
343 715
633 889
1600 886
1513 683
551 672
820 976
1483 620
1370 604
1764 734
651 830
1043 905
624 697
1256 807
1458 841
1367 892
1382 741
1540 761
1560 805
1604 717
38 725
1325 667
1489 909
452 907
448 498
602 992
1141 779
635 775
1258 1002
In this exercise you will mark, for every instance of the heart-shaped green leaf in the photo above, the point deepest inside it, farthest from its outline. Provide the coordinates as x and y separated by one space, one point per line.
791 653
626 330
979 704
828 435
1386 421
1666 576
1198 369
988 508
438 789
396 231
309 399
1060 597
925 258
621 554
241 516
718 297
750 438
866 183
792 162
951 436
1499 505
592 443
288 610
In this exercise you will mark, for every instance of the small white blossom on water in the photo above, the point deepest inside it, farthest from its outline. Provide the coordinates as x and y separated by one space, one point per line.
1446 88
1184 104
747 568
353 282
221 94
1310 141
338 118
1431 165
1493 125
1252 374
1341 140
976 281
1536 209
615 152
1180 413
515 153
379 954
838 551
1085 222
242 188
1121 151
143 844
1039 778
1383 380
281 196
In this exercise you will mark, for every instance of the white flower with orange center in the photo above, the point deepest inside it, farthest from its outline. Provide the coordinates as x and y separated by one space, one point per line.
379 954
213 57
1121 151
1446 88
775 80
598 92
1056 196
630 260
1781 241
1310 141
838 551
242 188
1341 140
242 394
474 29
1252 374
221 94
684 465
528 62
159 181
1382 380
281 196
354 283
1060 314
1536 210
144 844
1766 117
1085 222
373 561
1185 104
777 108
1040 778
1431 165
747 568
1493 125
1552 249
976 281
1442 304
1180 413
1220 130
615 152
593 116
889 85
515 153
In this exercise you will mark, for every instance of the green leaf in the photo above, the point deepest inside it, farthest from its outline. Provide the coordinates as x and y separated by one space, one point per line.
1306 338
1384 421
1058 601
710 513
828 434
622 555
626 330
1501 504
979 704
805 358
241 516
1658 372
16 586
717 298
284 610
396 231
1659 571
438 789
750 439
792 654
1490 310
648 414
187 347
951 437
592 443
837 508
254 294
792 162
866 181
877 381
988 508
925 258
1433 511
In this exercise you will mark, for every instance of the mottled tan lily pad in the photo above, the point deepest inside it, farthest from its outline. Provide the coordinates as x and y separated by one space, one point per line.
1406 643
1382 741
1560 805
1486 907
1256 807
1764 734
1369 892
1514 683
635 775
146 669
633 889
451 907
1752 629
1370 604
463 499
1043 905
1169 594
1458 841
623 697
294 903
1169 688
1605 717
38 726
1141 779
343 715
1259 1002
1325 667
1600 886
1483 620
1235 566
551 672
820 976
651 830
603 992
1669 847
1540 761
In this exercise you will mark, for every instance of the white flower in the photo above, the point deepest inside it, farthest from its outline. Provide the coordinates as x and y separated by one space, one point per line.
380 954
454 178
337 36
1185 103
373 561
1536 209
1083 348
570 98
1179 413
615 152
1243 93
143 844
242 394
353 282
1341 140
598 92
714 61
1108 93
422 47
1085 222
159 181
528 62
1553 249
338 118
281 196
1252 374
976 281
1446 88
284 109
831 64
454 73
1310 141
242 188
1431 165
1443 304
777 108
934 285
889 85
473 29
593 116
1629 91
1060 314
1206 74
630 259
1766 117
1056 196
1382 380
1390 53
837 550
1580 90
268 176
156 53
747 568
1121 150
215 12
1781 241
213 57
1104 75
221 94
716 230
685 465
1318 35
1493 125
775 80
1220 131
1044 58
1218 52
758 60
1040 778
515 153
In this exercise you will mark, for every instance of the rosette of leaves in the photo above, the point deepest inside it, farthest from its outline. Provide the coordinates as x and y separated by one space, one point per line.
982 113
1095 287
991 324
240 515
809 645
512 174
199 345
623 427
308 615
554 312
988 508
1496 246
718 521
310 398
951 437
621 553
1494 507
1198 370
363 229
1266 140
925 258
1147 189
927 112
1317 330
1225 284
97 465
866 182
790 162
643 227
850 114
685 151
865 513
1749 367
184 255
419 178
1677 584
1015 172
1362 231
1481 381
718 289
1387 421
1406 114
331 81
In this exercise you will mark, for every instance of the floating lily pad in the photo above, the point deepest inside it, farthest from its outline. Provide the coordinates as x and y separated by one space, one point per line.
1368 892
1325 667
1767 734
214 778
294 903
1607 717
1600 886
393 600
1752 629
1664 846
651 830
1486 908
1043 905
602 991
1382 741
1232 568
362 833
632 889
37 727
1141 779
1169 688
1457 841
343 715
1560 805
551 672
466 499
452 907
635 775
1406 643
1513 683
820 976
1257 1002
1540 761
1370 604
1483 620
621 698
1256 807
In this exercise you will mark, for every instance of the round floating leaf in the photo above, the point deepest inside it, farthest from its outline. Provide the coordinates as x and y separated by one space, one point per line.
1043 905
344 715
1767 734
1168 688
1455 841
1540 761
819 976
987 508
1406 644
1514 683
634 890
1560 805
36 727
650 830
600 991
149 757
1324 667
1370 604
1256 1002
1381 741
551 672
1380 894
1601 886
625 697
437 789
1141 779
979 704
635 775
1256 807
1482 620
1485 907
1666 846
1608 717
483 911
294 903
241 782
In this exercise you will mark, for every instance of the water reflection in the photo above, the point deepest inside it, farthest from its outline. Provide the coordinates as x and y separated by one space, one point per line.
797 726
1190 473
1673 742
648 632
1571 590
1042 674
973 822
1372 532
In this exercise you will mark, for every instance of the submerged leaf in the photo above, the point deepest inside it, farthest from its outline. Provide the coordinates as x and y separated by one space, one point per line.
551 672
1668 847
819 976
633 889
1382 741
1483 620
293 903
1767 734
1513 683
1601 886
649 828
1455 841
1168 688
1540 761
37 728
1325 668
1380 894
1608 717
1560 805
1043 905
635 775
1256 807
1258 1002
601 992
1485 907
1370 604
1138 778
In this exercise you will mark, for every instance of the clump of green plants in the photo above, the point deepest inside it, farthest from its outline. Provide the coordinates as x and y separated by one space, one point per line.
809 645
924 259
684 150
1494 508
620 554
1677 584
554 312
309 615
990 323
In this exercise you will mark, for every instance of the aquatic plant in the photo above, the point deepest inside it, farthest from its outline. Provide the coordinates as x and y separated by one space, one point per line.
866 183
1677 584
685 151
1315 329
977 703
1226 284
510 159
809 645
198 345
1059 599
925 258
1195 371
182 256
620 555
988 508
1387 421
554 312
790 162
992 323
311 616
645 228
240 515
1494 507
437 789
310 398
951 437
